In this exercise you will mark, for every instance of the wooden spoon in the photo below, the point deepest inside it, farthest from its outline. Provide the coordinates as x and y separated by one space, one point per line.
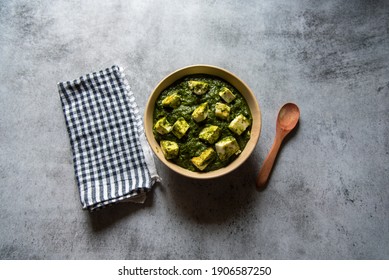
287 119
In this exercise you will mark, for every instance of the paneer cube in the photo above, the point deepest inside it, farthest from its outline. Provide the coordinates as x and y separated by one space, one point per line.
180 127
227 147
162 126
205 158
210 134
198 87
169 149
173 100
222 110
226 94
201 112
239 124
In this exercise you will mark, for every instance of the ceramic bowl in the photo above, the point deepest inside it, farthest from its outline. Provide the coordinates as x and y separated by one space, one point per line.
228 77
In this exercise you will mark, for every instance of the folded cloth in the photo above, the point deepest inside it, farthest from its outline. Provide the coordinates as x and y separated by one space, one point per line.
112 159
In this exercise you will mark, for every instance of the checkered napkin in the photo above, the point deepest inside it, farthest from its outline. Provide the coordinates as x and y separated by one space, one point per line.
111 157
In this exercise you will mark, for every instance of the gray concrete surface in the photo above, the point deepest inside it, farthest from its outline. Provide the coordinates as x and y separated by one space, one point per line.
328 197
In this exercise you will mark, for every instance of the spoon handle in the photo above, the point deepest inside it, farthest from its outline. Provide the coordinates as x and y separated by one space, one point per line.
267 166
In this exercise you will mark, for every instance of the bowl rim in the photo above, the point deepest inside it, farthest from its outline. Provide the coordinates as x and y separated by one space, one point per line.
229 77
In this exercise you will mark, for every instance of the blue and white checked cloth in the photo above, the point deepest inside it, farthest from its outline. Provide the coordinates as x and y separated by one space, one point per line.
111 157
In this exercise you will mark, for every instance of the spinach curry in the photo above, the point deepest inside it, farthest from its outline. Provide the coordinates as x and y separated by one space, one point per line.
201 122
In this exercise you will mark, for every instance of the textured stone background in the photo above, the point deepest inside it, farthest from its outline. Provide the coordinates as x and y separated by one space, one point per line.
328 197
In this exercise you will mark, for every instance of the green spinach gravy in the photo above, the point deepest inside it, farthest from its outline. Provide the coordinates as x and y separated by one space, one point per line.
201 122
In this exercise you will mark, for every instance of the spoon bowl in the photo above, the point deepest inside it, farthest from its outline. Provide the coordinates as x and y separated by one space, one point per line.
287 119
288 116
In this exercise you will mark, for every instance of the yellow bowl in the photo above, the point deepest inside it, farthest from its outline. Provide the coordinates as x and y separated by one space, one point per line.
228 77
